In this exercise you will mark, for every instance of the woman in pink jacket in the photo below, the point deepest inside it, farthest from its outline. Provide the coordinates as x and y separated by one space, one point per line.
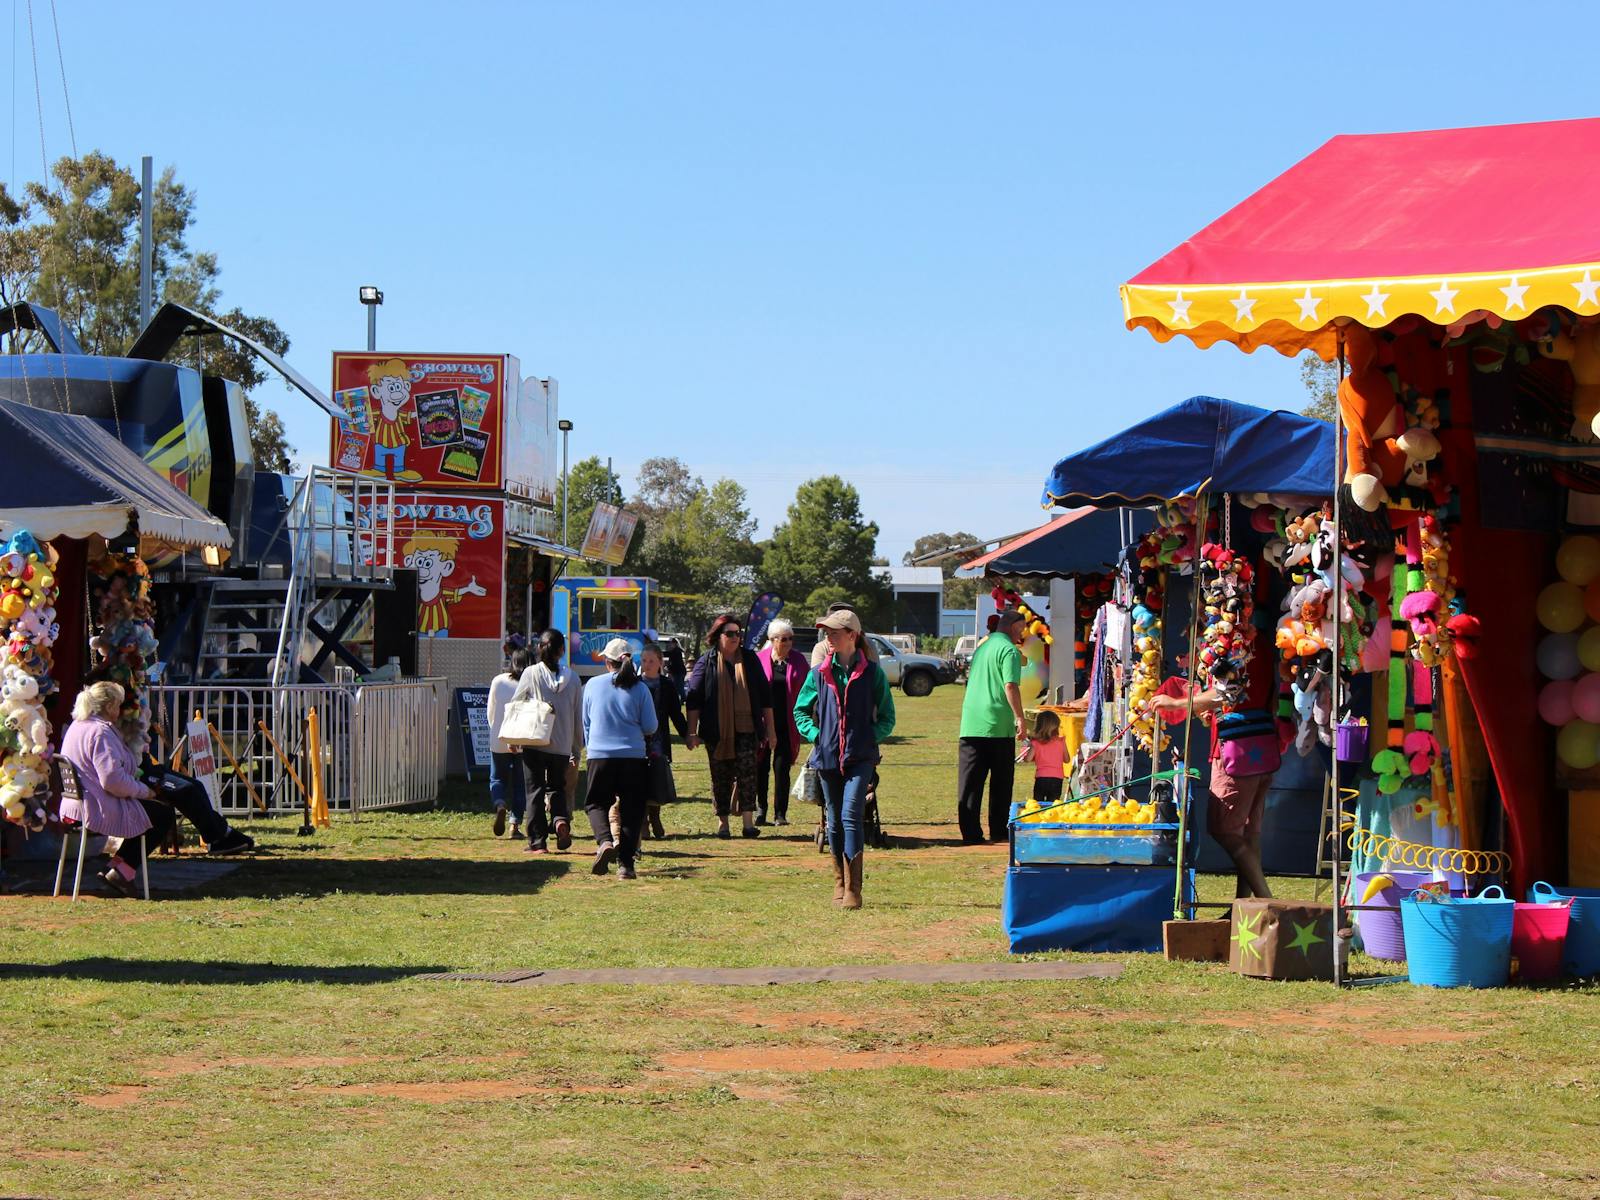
115 803
786 670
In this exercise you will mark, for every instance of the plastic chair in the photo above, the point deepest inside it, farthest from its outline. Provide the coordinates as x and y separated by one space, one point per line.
71 788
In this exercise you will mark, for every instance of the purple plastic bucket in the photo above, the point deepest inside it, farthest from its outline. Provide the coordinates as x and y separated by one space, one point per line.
1350 743
1381 932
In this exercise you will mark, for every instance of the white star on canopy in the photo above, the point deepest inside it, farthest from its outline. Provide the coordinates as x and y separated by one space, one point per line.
1586 290
1444 298
1308 305
1375 301
1243 307
1180 309
1514 294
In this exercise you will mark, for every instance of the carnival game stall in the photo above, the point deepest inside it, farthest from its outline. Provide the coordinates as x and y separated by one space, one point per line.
1236 493
1466 327
78 513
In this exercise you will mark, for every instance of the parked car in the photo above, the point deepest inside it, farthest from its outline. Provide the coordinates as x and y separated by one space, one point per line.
915 674
965 646
907 642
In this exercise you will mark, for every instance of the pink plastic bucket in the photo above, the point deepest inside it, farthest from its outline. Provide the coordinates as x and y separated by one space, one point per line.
1539 939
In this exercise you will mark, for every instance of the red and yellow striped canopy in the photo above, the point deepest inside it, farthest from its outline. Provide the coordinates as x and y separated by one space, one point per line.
1368 228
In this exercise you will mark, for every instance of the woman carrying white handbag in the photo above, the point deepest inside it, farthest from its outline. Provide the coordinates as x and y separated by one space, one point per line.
546 718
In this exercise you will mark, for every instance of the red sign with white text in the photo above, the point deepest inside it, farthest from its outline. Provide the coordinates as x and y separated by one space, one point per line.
457 546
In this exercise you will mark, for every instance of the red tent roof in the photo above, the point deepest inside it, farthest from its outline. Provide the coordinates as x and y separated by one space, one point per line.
1372 226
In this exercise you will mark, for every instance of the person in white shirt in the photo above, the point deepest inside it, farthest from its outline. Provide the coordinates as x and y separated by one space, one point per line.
553 769
505 760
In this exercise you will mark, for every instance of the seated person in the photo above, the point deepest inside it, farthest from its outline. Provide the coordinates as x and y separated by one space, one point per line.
117 803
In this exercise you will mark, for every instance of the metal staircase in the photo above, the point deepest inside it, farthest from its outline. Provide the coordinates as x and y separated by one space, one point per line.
340 534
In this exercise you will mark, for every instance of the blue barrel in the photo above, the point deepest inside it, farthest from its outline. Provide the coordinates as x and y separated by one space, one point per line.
1583 930
1458 942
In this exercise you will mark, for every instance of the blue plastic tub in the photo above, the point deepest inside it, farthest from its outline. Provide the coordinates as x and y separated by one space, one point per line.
1458 942
1583 929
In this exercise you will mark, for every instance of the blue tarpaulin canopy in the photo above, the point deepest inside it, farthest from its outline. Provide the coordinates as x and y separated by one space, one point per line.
1202 444
65 476
1084 540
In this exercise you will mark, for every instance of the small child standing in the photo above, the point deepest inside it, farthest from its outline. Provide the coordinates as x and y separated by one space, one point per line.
1047 750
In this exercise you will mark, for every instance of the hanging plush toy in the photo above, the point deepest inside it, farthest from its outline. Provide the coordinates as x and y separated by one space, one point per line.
1374 420
1228 612
1580 350
1144 674
124 643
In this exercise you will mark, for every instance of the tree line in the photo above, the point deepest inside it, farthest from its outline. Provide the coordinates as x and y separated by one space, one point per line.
72 244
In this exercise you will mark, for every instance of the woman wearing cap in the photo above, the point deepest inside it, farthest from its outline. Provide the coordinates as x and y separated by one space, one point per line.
550 766
845 709
729 707
785 669
618 718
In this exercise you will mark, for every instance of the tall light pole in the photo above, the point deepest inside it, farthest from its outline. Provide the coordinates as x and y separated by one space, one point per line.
371 297
566 507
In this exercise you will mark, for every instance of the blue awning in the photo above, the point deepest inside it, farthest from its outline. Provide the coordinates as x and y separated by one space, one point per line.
1202 444
1082 541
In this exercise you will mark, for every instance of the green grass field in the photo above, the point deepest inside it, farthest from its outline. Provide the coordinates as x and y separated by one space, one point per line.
269 1037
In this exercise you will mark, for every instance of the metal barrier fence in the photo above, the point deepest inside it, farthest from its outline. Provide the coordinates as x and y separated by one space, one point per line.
382 743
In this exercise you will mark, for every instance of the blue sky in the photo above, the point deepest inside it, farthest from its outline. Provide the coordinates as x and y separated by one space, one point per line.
877 239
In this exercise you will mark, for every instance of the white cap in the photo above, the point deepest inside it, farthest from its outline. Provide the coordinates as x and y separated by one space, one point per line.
617 649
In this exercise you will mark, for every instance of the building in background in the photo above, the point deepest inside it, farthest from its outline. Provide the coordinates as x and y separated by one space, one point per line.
918 598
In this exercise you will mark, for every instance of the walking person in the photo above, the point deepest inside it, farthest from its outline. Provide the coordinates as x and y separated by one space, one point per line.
619 717
658 750
786 669
991 722
729 707
846 709
505 760
551 767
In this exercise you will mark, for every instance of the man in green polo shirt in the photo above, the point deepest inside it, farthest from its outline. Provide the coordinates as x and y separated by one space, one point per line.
991 721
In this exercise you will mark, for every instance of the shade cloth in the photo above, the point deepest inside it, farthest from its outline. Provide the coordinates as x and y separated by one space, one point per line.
1373 226
66 476
1084 540
1201 444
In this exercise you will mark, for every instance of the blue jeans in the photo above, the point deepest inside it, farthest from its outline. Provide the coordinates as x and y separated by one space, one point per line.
506 769
844 793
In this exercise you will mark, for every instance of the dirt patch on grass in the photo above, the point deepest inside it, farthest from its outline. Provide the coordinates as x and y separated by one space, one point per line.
116 1097
179 1066
806 1060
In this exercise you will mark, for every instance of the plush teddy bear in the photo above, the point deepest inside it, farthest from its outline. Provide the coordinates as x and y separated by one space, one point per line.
1580 350
1373 420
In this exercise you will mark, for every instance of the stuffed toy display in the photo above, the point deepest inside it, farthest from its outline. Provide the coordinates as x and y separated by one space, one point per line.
1227 633
1579 348
1373 421
1144 674
124 641
28 594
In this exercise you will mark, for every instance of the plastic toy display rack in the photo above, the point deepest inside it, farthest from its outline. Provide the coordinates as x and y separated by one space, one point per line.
1103 827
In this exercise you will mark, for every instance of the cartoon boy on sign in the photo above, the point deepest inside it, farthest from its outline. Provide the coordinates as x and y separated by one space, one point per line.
390 385
434 560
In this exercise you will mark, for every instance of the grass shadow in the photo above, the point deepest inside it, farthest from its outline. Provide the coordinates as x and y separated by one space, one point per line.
178 970
270 879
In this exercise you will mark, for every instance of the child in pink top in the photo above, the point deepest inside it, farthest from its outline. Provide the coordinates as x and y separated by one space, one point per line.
1047 749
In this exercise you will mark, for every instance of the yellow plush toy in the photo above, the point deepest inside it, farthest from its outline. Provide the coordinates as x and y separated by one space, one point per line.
1580 350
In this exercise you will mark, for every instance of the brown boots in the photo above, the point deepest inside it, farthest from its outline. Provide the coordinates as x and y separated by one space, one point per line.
838 878
852 883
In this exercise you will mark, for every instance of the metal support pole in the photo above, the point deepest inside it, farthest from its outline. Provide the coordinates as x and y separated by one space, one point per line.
1336 691
372 327
566 476
147 204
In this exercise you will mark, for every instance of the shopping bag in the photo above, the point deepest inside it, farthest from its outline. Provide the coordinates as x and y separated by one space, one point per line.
807 787
528 722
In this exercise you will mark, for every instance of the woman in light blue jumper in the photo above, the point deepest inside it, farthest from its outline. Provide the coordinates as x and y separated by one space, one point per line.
618 717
